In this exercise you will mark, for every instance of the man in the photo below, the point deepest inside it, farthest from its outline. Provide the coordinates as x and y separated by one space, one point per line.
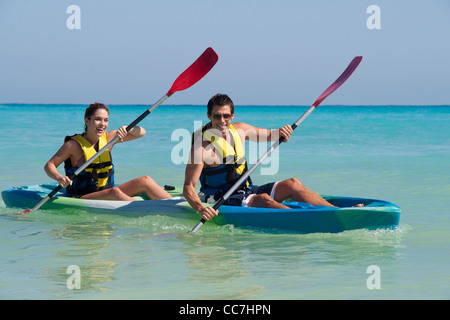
217 161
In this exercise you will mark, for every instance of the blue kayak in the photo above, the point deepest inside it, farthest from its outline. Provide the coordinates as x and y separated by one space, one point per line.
301 218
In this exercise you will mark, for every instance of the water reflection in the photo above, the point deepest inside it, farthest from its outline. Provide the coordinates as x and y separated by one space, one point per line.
250 264
155 258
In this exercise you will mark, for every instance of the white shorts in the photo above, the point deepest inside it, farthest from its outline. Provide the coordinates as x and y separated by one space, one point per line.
247 199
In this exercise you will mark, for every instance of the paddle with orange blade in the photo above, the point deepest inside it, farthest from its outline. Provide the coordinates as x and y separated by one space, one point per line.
185 80
342 78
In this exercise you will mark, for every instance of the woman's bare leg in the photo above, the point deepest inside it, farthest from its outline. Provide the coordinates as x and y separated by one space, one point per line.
126 191
146 185
108 194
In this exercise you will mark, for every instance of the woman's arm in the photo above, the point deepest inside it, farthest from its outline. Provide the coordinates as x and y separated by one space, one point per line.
51 166
135 133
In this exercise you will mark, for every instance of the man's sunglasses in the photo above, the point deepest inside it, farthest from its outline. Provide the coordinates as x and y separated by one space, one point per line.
219 116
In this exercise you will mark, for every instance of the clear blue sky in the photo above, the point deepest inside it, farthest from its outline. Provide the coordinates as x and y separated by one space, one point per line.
271 52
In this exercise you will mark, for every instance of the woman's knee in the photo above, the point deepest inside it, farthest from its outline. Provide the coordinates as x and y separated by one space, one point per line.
116 192
146 180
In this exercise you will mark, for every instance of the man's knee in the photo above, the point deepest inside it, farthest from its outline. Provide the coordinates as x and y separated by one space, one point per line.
261 200
295 183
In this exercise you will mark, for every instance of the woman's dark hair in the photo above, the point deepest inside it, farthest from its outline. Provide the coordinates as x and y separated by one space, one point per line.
220 100
90 111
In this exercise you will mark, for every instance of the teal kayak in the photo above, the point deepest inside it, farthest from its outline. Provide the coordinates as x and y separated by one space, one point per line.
301 218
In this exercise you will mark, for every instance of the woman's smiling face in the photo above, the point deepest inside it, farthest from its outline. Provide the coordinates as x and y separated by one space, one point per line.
98 122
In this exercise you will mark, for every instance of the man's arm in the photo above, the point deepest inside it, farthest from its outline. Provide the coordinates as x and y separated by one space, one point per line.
255 134
192 175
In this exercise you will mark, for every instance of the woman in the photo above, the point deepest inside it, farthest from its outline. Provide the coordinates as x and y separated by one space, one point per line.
97 180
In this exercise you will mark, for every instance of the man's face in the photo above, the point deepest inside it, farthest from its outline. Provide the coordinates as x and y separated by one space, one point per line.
221 118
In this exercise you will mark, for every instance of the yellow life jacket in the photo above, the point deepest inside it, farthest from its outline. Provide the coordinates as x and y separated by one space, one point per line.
99 175
220 179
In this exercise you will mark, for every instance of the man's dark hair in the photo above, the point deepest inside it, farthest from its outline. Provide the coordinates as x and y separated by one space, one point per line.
220 100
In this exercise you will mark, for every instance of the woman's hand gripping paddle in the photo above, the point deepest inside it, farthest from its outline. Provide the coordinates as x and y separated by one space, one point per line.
343 77
189 77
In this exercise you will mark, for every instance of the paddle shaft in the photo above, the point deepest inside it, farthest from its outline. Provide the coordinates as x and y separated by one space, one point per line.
95 156
189 77
333 87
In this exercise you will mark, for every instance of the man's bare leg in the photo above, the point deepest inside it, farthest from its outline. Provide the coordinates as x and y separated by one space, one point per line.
293 188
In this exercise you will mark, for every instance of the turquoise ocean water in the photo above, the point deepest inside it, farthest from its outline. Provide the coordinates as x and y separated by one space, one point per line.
395 153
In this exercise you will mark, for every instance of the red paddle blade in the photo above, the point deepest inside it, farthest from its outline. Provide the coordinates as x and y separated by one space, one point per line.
21 213
195 72
344 76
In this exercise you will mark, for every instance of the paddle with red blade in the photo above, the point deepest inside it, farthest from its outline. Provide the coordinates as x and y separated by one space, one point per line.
185 80
342 78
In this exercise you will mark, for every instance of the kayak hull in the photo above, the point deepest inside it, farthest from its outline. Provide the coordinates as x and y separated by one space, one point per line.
317 219
29 196
301 218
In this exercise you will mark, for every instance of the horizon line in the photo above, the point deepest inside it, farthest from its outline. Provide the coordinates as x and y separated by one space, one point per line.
238 105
